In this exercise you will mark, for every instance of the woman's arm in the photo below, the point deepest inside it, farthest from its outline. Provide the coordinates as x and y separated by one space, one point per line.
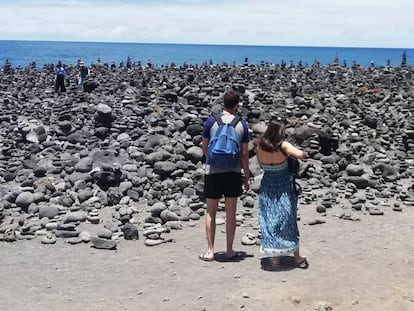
291 150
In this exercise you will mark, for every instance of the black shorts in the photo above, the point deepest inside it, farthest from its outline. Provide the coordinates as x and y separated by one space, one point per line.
227 184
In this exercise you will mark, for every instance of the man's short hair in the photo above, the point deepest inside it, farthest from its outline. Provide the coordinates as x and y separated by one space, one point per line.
231 99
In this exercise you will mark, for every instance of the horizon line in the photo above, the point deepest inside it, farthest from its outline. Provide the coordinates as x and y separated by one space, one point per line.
212 44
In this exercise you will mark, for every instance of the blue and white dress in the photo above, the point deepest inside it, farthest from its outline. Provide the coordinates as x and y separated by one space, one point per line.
278 211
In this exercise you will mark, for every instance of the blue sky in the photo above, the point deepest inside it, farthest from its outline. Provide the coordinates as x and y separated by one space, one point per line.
363 23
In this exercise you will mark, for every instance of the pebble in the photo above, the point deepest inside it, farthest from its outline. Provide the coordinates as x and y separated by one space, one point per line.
376 212
220 221
153 242
100 243
316 222
248 239
48 239
397 209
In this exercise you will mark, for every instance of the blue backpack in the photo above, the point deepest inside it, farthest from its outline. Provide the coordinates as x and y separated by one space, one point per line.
224 147
60 71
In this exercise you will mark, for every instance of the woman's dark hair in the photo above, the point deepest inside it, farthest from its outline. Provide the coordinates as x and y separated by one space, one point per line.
231 99
273 136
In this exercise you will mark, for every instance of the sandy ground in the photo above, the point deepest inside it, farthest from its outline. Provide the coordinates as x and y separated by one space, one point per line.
354 265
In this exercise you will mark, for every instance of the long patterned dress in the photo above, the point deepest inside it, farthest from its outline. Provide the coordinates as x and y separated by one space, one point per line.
278 211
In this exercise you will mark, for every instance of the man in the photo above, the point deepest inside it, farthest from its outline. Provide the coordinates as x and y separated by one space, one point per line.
83 74
60 78
225 182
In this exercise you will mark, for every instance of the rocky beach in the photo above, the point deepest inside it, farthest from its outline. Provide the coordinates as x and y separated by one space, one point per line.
114 174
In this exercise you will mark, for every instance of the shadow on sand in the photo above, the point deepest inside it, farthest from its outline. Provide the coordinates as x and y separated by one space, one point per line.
238 256
287 263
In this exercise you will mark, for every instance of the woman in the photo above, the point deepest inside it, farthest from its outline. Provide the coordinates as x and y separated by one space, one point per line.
277 197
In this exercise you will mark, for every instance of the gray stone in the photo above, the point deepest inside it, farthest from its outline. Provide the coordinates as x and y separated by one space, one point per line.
157 208
104 233
355 170
167 215
84 165
157 230
114 196
78 216
111 225
84 195
189 192
74 241
164 168
195 154
85 236
103 109
40 171
125 186
49 211
24 199
153 242
130 232
321 209
48 239
248 239
103 243
66 233
360 181
194 216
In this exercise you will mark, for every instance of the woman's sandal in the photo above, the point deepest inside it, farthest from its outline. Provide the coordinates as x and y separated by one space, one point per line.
303 264
275 263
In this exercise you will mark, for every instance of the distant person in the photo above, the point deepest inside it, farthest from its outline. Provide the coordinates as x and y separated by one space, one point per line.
278 198
60 78
355 65
225 179
7 67
294 88
83 74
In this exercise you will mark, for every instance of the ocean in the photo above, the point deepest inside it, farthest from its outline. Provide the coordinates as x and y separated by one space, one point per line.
23 53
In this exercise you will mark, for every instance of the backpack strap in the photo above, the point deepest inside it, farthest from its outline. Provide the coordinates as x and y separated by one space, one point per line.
233 122
218 120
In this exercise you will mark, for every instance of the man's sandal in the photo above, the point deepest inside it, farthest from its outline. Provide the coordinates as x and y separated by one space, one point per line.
204 257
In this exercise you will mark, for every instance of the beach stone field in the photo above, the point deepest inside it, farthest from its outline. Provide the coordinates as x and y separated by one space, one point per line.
121 159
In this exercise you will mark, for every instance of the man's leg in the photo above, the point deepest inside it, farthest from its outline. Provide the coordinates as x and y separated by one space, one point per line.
63 86
212 206
230 205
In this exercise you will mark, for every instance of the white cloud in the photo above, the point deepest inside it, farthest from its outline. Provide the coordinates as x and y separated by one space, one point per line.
262 22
